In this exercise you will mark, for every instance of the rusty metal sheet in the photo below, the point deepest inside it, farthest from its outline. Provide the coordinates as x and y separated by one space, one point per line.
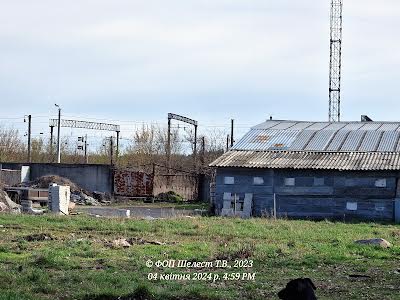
132 183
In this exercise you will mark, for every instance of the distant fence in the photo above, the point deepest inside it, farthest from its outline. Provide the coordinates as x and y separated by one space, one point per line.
131 183
134 183
186 185
10 177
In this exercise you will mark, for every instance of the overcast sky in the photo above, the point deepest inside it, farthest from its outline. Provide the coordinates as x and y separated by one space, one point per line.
211 60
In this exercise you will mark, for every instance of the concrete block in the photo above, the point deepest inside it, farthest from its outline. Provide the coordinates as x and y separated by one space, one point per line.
59 197
25 173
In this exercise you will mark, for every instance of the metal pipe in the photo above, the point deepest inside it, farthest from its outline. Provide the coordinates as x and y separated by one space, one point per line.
29 138
59 136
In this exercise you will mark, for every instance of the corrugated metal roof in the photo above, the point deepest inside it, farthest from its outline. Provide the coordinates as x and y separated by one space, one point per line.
338 140
353 140
322 136
389 141
320 140
284 125
266 140
371 141
302 139
354 161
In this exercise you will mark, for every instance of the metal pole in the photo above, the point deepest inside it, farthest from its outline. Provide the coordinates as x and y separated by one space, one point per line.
111 150
86 155
29 138
232 141
117 150
203 150
169 145
59 137
195 148
51 143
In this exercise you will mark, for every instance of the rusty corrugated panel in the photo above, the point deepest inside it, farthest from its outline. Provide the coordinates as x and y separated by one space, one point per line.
131 183
257 139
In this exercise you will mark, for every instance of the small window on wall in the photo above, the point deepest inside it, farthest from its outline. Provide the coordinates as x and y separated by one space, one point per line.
381 183
229 180
258 181
351 206
319 181
289 181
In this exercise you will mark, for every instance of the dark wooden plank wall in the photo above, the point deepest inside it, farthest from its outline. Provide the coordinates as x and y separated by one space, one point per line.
307 200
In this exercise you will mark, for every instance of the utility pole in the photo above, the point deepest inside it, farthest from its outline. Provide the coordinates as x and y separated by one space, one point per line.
111 150
232 140
59 135
29 138
335 66
86 154
51 143
203 150
169 145
117 150
195 148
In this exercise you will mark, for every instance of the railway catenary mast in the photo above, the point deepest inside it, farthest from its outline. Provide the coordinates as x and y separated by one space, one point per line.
335 71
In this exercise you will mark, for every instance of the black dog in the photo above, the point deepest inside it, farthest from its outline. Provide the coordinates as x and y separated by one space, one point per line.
298 289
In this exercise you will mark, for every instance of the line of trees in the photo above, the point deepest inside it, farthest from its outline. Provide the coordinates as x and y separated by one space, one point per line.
147 146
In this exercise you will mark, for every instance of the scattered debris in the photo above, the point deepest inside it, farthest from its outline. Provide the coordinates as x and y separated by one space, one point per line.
3 207
71 205
121 243
170 196
28 208
80 198
359 276
104 198
45 181
377 242
78 195
140 241
128 242
38 237
7 205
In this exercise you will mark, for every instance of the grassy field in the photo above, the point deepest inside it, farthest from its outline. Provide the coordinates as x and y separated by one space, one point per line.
76 260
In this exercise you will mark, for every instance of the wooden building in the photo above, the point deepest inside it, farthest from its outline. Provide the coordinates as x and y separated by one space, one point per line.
343 170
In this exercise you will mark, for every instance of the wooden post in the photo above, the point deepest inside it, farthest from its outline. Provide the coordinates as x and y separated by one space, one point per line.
274 206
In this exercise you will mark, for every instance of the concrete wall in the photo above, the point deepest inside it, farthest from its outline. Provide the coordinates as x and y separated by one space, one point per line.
315 194
90 177
10 177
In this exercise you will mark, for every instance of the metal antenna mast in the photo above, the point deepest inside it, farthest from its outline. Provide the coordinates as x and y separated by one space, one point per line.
335 70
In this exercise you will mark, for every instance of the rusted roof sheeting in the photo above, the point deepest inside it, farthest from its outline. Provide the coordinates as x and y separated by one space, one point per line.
351 161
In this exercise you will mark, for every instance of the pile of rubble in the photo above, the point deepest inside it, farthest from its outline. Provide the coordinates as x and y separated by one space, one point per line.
6 204
78 195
